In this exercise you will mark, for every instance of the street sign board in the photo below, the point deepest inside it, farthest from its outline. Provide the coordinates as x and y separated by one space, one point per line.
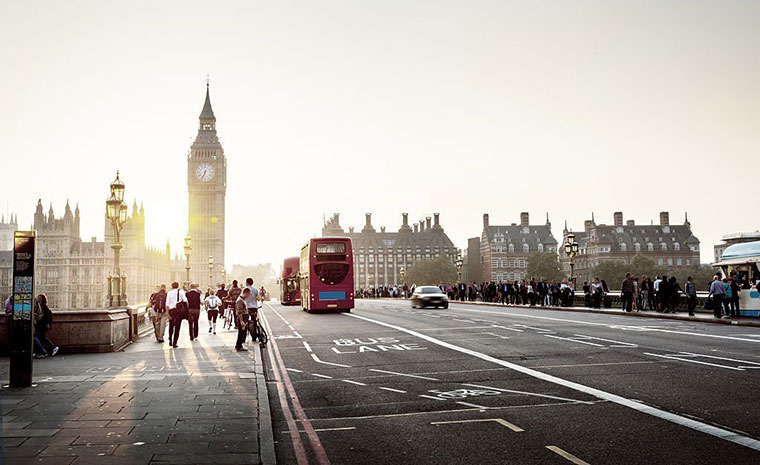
24 244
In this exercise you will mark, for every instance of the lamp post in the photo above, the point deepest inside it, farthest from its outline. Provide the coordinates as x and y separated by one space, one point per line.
459 262
571 249
116 211
210 270
188 249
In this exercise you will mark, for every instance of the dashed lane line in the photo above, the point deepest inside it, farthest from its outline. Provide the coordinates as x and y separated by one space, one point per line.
598 393
431 397
294 370
567 455
321 376
316 359
467 404
721 358
682 359
574 340
403 374
500 421
392 390
353 382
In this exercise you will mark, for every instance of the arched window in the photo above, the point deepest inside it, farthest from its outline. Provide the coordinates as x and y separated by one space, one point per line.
664 246
623 247
540 247
511 248
637 246
650 247
526 248
677 246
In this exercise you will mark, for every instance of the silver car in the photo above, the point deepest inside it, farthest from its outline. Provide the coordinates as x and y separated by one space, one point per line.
429 296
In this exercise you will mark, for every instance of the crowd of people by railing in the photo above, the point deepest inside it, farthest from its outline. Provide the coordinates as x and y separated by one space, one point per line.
636 293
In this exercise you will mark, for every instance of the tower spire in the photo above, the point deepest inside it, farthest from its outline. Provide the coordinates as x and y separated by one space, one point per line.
207 114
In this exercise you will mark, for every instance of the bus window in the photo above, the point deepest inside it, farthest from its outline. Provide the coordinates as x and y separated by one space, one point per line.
331 247
331 273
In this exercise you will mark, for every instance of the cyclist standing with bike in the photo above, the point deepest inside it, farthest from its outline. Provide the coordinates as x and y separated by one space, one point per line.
252 301
241 317
229 305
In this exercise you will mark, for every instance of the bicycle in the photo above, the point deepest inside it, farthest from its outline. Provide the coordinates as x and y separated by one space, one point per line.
229 315
257 331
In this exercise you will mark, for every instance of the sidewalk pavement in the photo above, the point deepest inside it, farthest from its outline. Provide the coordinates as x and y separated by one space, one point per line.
700 316
149 404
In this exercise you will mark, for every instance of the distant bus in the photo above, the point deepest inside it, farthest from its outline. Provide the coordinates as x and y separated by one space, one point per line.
743 260
327 274
290 292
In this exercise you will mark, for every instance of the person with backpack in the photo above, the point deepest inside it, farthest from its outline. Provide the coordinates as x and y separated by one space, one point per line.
212 303
43 322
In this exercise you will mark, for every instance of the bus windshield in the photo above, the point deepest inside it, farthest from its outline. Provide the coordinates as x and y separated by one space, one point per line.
331 247
331 273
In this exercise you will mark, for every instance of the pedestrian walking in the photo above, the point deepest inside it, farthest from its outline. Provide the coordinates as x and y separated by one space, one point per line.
626 292
691 295
717 292
241 316
213 303
735 290
176 304
43 323
160 317
193 310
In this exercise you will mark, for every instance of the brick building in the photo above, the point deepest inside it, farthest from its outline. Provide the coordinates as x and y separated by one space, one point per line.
379 256
504 250
671 246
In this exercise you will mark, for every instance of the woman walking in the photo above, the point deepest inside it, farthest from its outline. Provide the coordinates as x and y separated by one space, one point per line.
43 322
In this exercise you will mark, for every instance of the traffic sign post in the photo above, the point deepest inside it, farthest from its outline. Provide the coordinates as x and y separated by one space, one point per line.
21 335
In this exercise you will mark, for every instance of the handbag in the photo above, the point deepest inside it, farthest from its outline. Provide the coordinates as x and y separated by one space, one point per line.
709 303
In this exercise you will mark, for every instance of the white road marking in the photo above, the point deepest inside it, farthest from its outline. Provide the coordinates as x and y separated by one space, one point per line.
597 364
618 343
567 455
607 325
695 361
316 359
464 321
392 390
308 347
294 370
574 340
532 327
431 397
505 327
598 393
535 394
353 382
291 327
721 358
321 376
467 404
403 374
298 335
497 335
345 428
500 421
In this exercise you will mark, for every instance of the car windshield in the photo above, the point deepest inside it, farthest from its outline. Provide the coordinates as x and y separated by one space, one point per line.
430 290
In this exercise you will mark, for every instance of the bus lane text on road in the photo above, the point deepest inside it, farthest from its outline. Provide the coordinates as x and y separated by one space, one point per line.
373 344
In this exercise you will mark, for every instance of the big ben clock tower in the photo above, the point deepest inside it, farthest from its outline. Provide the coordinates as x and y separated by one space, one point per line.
207 186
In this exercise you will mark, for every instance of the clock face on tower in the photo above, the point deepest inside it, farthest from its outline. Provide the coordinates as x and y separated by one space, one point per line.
204 172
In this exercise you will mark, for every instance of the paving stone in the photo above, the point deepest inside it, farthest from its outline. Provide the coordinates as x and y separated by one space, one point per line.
12 442
61 450
42 461
234 459
17 425
29 433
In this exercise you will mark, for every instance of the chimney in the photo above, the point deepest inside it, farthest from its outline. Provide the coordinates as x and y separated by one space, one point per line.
587 226
422 225
436 220
368 219
336 217
405 216
485 220
416 227
618 218
524 219
382 229
664 219
427 223
630 223
350 229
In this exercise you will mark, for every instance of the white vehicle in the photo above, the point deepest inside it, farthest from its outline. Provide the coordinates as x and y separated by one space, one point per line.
743 260
429 296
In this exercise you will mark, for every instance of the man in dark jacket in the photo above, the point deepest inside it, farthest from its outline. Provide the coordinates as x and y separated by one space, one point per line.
193 310
158 304
626 292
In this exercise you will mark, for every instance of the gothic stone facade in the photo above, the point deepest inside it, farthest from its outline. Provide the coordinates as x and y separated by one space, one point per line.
380 256
671 246
504 250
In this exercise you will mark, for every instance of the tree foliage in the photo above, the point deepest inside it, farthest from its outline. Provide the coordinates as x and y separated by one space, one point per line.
544 265
432 272
614 272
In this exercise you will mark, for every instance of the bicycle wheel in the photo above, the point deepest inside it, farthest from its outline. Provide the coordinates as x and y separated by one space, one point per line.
263 336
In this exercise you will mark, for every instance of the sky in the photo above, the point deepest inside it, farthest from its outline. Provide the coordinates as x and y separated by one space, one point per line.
461 108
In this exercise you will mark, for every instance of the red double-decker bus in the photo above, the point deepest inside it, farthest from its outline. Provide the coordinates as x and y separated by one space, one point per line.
290 292
327 274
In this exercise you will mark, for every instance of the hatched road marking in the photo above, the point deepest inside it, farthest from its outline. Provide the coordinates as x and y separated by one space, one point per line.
567 455
500 421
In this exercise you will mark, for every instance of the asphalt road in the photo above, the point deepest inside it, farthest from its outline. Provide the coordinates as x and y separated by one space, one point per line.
391 384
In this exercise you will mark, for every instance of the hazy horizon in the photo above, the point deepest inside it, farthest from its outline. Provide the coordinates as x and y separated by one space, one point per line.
489 107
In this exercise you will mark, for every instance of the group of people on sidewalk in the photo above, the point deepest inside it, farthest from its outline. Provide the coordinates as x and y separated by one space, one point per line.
240 305
723 298
662 295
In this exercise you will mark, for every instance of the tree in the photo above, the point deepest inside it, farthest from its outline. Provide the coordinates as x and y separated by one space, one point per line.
544 265
432 272
641 265
611 271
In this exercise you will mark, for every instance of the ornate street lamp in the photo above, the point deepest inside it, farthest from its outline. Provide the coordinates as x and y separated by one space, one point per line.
571 250
188 249
459 262
116 212
210 270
